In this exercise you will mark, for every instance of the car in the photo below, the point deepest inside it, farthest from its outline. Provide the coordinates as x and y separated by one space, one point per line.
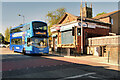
7 46
2 45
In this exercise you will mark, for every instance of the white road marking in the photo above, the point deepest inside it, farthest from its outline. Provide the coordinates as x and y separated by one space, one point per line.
72 77
27 68
10 70
48 65
92 77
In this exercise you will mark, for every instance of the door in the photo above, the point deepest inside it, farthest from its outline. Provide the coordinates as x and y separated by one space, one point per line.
28 47
96 52
55 44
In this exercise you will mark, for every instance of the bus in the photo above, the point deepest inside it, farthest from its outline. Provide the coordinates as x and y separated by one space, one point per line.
30 38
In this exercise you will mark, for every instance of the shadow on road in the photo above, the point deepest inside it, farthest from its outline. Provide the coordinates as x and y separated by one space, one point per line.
39 67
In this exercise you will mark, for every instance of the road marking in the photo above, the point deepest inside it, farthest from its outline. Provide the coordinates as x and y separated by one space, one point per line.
72 77
92 77
27 68
10 70
48 65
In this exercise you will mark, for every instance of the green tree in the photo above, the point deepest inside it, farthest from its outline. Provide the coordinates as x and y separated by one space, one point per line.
54 16
101 13
7 34
1 38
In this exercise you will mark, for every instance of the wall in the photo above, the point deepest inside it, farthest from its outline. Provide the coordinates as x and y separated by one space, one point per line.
107 19
112 44
113 53
116 23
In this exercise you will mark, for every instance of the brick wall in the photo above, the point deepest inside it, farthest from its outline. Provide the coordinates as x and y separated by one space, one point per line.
112 44
107 19
88 33
116 23
115 27
113 54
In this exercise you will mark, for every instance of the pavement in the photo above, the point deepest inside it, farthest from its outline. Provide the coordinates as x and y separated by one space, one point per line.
89 60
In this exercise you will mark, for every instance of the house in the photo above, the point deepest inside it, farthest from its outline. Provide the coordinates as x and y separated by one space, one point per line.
113 18
66 33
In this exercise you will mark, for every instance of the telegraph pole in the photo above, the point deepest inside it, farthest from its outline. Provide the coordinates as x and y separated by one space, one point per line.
81 30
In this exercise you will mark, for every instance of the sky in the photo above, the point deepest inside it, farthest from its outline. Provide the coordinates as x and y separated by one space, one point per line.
38 10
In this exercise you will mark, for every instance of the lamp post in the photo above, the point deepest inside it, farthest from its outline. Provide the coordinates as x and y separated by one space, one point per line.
81 31
23 17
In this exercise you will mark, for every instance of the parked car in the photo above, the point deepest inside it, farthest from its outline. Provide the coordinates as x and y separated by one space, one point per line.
2 45
7 46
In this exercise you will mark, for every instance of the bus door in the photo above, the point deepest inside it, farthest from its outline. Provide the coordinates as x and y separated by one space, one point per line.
28 44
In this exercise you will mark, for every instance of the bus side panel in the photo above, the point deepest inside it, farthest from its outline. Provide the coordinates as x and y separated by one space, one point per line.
39 50
27 48
18 48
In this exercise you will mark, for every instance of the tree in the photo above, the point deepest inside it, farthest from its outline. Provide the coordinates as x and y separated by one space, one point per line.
54 16
1 38
101 13
7 34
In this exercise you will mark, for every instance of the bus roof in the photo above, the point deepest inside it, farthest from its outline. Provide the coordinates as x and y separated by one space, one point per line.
25 24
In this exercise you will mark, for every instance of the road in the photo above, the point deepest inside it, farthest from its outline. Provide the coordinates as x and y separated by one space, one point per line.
16 65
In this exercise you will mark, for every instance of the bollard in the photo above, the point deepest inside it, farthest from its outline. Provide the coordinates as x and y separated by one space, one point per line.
108 55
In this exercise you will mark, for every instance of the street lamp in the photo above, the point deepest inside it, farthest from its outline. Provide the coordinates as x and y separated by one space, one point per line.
23 17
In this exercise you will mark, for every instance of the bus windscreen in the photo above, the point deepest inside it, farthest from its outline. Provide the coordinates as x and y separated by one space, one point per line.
39 26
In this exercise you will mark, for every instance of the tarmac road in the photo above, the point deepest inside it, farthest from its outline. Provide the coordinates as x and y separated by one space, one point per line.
27 67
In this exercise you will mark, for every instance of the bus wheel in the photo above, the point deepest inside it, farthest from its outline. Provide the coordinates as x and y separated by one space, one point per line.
12 48
23 51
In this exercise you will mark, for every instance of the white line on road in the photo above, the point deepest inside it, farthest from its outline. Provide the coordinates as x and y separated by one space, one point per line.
78 76
92 77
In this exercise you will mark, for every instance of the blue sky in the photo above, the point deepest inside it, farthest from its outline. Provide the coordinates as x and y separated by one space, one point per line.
38 10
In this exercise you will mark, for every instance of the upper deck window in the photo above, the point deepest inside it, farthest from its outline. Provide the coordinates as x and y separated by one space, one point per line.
39 26
22 28
19 29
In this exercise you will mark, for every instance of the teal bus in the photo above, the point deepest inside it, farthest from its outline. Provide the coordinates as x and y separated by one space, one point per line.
30 38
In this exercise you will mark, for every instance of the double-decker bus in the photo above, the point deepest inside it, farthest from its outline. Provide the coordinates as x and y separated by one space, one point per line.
30 38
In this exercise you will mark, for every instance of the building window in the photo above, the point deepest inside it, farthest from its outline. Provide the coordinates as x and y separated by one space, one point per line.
112 21
67 38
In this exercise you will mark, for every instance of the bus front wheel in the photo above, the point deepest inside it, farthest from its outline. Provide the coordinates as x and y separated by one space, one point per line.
23 51
12 48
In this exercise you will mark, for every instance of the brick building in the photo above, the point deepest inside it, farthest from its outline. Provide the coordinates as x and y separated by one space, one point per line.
67 35
113 18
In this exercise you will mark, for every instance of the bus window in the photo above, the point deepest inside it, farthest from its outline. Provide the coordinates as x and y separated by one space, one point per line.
39 26
40 43
16 41
26 27
19 29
